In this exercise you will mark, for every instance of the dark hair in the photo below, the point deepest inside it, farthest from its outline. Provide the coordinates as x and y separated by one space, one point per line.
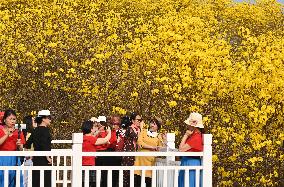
39 119
28 120
202 130
133 116
105 124
158 121
87 126
8 113
125 122
191 128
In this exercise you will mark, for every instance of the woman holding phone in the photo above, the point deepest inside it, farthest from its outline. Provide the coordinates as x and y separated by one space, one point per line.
10 140
191 142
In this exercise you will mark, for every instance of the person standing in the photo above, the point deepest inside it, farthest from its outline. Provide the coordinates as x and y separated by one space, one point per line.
130 144
10 141
191 141
30 126
148 140
90 141
102 160
41 140
115 122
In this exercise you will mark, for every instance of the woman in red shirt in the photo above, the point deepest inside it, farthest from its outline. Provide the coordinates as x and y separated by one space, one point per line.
9 141
90 141
191 141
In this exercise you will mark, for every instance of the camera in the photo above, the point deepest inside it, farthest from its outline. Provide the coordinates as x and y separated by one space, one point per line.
125 122
105 125
20 126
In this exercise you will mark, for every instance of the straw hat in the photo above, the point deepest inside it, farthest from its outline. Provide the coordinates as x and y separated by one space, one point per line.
194 116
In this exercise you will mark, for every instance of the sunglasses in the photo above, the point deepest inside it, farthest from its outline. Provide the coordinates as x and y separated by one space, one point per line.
140 120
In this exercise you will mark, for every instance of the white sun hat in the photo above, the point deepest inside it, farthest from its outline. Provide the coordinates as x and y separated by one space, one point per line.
194 116
93 119
101 119
43 113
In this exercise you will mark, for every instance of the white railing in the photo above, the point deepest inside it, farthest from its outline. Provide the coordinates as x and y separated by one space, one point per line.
165 173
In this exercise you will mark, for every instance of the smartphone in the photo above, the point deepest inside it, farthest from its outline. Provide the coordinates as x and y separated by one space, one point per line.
21 126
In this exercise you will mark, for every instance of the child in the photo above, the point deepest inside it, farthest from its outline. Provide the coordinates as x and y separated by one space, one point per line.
90 141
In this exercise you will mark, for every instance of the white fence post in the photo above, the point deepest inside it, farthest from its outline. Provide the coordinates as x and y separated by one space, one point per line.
170 145
168 175
77 140
207 160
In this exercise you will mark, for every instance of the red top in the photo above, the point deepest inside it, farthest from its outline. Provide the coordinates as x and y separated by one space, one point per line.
112 140
89 145
10 142
102 147
195 142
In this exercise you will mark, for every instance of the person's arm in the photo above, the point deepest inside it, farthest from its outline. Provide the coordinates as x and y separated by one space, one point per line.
5 134
162 140
142 144
29 142
19 144
142 124
183 146
104 140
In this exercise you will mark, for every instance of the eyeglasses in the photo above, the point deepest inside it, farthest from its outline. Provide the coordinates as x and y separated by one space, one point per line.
139 120
48 117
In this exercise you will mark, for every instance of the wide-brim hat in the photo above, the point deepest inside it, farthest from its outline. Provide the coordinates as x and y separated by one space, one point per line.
42 113
194 116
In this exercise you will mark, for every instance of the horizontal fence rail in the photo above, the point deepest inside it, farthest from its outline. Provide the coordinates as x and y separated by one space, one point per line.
69 152
67 168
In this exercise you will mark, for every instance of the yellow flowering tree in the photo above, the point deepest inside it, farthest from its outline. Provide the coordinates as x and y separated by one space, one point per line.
83 58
